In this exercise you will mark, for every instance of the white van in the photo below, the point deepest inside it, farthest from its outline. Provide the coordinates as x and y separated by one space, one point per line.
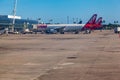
117 30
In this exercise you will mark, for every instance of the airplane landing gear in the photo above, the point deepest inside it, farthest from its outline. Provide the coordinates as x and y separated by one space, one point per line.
87 31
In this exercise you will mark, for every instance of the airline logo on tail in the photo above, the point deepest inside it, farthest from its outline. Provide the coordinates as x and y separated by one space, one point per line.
92 23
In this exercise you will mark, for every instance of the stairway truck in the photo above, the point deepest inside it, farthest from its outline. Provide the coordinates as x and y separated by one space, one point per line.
117 30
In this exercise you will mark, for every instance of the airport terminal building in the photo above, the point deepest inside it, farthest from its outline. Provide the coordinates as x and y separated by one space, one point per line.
6 21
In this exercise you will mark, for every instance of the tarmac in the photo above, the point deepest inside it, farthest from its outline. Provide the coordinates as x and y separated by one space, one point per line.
94 56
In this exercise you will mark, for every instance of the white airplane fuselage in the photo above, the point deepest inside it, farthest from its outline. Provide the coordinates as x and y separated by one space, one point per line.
66 27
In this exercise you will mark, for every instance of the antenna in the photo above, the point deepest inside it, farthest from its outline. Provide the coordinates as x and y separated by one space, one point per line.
14 14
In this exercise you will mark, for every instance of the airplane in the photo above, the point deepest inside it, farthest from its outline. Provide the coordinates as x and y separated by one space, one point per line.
92 24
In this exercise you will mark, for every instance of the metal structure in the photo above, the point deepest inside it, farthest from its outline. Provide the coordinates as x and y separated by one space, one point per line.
14 14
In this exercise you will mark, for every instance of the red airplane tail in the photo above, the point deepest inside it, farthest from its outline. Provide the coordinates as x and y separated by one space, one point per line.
90 23
98 23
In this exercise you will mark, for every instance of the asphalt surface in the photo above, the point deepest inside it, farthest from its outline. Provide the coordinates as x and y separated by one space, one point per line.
93 56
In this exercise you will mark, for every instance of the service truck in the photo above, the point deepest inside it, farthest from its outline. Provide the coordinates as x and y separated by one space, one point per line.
117 30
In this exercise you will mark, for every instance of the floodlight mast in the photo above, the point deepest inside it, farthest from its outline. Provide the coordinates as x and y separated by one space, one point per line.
14 14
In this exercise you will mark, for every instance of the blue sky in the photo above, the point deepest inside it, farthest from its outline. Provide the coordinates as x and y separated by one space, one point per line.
58 10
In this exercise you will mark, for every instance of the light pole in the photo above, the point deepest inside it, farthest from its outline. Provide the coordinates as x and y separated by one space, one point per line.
39 20
14 14
67 19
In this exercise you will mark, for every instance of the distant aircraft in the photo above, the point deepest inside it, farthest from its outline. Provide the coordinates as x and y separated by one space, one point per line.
92 24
